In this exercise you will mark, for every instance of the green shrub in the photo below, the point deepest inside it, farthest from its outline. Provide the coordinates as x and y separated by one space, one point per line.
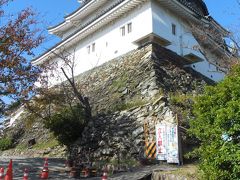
50 143
5 143
217 126
181 99
67 125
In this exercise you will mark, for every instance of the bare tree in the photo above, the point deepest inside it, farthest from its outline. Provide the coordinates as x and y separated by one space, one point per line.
213 45
69 60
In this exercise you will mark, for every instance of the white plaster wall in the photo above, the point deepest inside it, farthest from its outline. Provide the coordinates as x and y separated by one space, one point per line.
183 42
162 26
108 41
209 70
148 18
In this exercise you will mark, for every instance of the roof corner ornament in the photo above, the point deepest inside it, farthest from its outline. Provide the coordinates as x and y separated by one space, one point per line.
207 16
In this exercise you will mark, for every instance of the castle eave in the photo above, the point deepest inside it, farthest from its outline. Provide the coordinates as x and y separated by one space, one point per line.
193 58
76 16
191 15
183 11
153 38
91 27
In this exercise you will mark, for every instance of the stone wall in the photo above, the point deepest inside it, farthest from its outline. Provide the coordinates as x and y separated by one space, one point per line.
145 86
129 91
23 132
139 75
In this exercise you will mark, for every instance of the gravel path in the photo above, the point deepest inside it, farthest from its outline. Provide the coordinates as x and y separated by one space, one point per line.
57 169
34 165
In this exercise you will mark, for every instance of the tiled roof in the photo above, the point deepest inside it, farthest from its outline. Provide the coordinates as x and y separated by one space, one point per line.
198 6
82 5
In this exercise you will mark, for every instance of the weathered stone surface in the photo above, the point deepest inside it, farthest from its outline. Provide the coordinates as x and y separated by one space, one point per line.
163 175
138 86
127 92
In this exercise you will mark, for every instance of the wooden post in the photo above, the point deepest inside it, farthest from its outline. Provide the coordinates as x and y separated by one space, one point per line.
180 155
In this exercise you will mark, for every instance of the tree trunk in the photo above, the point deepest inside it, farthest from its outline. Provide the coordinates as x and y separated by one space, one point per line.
82 100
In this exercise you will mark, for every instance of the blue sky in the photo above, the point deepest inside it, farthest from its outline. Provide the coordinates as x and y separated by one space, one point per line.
226 12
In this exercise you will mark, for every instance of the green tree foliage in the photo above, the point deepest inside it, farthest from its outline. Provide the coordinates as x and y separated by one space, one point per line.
5 143
58 109
18 39
67 124
217 126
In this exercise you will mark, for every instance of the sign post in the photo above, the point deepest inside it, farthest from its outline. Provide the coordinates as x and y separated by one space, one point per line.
167 143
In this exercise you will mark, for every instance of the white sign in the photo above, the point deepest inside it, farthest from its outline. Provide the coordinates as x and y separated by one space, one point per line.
161 150
167 143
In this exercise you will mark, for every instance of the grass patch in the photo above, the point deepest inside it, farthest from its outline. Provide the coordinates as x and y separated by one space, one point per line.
178 99
129 162
48 144
189 171
119 82
5 144
128 105
21 147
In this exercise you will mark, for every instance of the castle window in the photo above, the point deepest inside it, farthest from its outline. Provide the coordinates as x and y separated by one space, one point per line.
122 31
173 29
88 49
129 27
93 47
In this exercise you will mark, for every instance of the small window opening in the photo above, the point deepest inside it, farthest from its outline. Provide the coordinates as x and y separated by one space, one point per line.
93 47
88 49
129 27
122 31
174 29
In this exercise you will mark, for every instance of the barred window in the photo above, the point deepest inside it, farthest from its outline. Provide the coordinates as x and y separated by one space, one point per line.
174 29
93 47
129 27
88 49
122 31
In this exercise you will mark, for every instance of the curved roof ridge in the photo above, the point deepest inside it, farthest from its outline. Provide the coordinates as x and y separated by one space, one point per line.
66 17
182 2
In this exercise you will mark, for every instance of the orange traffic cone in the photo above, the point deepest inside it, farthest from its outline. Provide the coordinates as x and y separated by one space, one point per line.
104 177
85 172
9 174
74 172
46 160
1 173
25 174
44 174
45 163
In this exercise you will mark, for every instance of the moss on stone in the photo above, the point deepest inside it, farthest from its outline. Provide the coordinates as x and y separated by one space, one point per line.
21 147
46 144
128 105
178 98
120 82
182 105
